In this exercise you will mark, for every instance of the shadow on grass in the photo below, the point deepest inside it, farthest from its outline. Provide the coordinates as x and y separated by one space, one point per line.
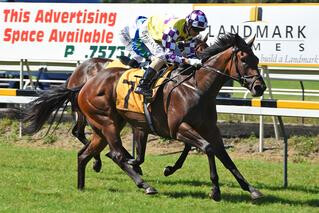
175 194
297 188
236 198
268 199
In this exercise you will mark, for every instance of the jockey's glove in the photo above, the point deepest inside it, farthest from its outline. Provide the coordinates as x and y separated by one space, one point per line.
194 61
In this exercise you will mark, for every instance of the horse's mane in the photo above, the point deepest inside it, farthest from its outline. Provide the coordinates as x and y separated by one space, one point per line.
222 43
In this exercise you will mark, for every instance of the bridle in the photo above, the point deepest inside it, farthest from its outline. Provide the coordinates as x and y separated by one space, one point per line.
244 80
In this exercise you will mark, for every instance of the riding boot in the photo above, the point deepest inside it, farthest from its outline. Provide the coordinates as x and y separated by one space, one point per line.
133 63
144 86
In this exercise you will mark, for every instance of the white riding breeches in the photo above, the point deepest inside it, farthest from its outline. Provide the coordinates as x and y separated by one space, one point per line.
155 48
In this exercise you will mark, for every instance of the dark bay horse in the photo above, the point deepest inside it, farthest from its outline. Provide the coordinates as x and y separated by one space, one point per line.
89 69
80 76
86 70
185 110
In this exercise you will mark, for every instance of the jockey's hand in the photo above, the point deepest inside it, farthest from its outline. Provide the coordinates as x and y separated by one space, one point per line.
151 58
193 61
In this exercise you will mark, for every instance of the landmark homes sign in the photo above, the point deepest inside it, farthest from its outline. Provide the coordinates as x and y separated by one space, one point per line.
285 35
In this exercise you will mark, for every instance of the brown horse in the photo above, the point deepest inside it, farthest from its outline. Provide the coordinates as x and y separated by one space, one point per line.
79 77
185 110
86 70
89 69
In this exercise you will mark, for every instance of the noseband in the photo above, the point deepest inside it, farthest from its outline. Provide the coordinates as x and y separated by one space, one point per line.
244 81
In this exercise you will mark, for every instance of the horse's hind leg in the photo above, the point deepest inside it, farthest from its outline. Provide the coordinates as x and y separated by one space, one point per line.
79 132
94 147
121 156
169 170
78 129
132 174
140 139
136 167
97 164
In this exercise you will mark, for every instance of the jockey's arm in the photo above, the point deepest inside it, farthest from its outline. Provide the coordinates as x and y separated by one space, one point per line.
170 45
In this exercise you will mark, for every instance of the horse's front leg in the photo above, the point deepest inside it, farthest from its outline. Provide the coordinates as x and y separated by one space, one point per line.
192 138
169 170
215 138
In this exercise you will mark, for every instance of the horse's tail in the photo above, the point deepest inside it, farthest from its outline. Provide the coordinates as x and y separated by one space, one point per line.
37 112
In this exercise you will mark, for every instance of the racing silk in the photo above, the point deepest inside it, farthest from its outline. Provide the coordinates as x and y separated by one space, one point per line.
169 31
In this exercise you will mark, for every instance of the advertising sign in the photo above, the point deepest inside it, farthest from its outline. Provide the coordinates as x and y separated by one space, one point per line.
71 31
286 35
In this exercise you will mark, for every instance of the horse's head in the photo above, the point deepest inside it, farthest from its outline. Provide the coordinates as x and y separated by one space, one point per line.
238 61
244 66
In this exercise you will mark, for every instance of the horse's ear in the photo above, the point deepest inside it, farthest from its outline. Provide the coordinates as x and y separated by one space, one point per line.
237 38
250 43
206 38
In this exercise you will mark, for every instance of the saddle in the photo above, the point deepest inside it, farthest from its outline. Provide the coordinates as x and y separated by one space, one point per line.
126 98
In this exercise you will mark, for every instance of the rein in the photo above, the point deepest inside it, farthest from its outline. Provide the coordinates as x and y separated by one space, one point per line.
172 78
243 80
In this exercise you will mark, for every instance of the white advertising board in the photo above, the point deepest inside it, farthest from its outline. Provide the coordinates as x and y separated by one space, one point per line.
41 31
286 35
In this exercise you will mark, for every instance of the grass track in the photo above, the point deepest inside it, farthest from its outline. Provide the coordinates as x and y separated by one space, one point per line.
44 180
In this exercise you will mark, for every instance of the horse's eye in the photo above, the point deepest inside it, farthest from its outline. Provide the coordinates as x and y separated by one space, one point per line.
244 63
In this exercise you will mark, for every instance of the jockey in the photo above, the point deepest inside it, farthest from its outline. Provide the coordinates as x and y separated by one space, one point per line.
129 36
159 39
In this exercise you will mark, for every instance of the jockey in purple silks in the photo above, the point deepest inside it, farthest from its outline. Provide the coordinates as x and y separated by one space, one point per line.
159 39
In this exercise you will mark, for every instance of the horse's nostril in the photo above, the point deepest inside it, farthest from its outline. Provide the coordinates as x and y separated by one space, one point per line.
259 90
257 87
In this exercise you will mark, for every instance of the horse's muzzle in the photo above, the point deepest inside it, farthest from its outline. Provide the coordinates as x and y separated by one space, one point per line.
258 90
258 87
255 84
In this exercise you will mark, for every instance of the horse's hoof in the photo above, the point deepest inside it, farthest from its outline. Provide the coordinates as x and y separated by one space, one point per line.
150 191
216 196
81 188
256 194
168 170
138 170
97 165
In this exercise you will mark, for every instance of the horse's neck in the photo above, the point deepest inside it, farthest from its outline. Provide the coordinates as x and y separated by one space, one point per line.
210 82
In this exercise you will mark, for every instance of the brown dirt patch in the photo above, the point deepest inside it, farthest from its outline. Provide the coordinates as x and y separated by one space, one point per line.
242 148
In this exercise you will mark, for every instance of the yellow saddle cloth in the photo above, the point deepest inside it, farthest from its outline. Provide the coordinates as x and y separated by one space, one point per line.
115 63
127 99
